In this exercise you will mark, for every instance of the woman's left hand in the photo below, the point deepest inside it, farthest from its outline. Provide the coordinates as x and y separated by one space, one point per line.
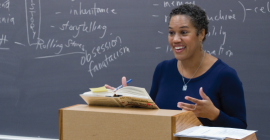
203 108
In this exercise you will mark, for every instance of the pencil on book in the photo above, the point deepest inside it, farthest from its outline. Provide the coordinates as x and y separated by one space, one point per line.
122 85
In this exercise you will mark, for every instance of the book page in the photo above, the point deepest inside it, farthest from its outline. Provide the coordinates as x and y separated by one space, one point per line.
101 94
101 101
219 133
133 91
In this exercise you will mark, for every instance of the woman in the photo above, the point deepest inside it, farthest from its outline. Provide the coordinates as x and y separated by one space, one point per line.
194 80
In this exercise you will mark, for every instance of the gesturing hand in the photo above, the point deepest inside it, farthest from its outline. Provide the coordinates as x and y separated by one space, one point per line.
203 108
124 83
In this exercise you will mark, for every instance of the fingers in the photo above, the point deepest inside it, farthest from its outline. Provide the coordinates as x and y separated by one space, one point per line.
203 95
185 106
193 100
124 81
203 108
109 87
197 101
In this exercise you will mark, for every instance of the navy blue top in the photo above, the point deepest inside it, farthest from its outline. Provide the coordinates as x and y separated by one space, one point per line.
220 83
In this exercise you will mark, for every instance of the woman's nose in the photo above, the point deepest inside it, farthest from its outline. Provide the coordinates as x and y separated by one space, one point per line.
177 38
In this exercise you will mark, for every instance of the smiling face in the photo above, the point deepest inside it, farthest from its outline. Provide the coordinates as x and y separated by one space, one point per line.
183 38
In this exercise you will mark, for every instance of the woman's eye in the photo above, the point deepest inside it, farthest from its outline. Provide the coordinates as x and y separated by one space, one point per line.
171 33
184 32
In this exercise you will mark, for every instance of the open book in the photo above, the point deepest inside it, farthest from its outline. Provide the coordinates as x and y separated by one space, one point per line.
214 133
128 96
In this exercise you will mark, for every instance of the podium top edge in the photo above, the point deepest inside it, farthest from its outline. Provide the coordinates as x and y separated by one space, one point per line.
121 110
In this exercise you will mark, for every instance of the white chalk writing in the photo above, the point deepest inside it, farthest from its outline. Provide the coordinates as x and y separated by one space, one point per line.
88 28
176 3
3 41
91 11
7 20
5 4
257 9
221 16
221 49
33 9
88 57
104 64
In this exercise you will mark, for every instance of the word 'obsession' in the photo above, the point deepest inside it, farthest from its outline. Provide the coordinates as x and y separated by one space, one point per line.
94 67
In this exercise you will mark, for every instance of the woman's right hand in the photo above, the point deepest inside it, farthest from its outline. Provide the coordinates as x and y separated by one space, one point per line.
124 83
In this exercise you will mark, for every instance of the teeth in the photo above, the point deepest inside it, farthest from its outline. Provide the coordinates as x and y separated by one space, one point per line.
180 47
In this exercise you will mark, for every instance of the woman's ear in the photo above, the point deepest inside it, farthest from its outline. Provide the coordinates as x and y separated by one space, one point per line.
202 34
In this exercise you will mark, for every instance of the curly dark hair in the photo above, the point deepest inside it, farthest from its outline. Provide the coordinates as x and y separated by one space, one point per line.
197 15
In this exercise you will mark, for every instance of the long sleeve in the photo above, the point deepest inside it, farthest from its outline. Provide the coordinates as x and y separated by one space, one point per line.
232 110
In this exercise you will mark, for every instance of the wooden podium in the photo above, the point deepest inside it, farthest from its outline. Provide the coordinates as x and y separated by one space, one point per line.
83 122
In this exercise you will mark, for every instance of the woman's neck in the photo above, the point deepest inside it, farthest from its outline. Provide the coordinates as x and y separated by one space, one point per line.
188 67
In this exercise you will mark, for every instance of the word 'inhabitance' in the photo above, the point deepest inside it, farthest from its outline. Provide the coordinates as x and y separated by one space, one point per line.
91 11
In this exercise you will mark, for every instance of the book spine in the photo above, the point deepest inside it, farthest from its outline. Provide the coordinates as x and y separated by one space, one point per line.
119 102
